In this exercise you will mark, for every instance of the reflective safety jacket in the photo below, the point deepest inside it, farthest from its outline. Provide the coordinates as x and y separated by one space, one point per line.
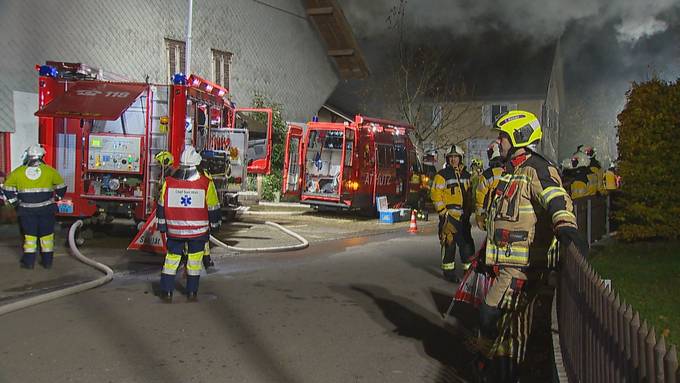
187 208
451 192
611 180
488 182
595 180
34 188
528 207
414 183
581 185
487 185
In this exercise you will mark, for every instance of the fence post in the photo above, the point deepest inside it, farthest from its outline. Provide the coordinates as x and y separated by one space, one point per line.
589 221
650 342
642 349
634 355
659 354
607 211
627 366
601 373
670 365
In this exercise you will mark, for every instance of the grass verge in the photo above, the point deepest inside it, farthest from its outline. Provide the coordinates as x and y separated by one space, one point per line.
646 275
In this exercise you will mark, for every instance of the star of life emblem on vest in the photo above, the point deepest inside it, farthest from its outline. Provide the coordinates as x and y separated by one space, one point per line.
186 198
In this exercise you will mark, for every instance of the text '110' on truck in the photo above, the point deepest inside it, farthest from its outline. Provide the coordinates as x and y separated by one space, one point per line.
105 137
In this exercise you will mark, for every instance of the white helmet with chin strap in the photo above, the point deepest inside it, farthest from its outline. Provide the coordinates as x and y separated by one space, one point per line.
190 157
35 152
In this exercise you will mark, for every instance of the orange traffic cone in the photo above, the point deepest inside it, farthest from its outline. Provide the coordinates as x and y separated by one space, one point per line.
413 227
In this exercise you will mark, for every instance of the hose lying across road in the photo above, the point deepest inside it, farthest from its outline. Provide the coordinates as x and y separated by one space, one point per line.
14 306
18 305
304 243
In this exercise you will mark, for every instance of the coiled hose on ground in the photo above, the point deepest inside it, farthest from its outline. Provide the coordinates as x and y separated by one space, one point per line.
304 243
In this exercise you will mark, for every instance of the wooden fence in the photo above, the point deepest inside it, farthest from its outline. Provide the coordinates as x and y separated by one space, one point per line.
602 338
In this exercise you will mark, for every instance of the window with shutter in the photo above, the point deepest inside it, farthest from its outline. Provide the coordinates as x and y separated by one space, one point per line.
491 112
176 57
221 61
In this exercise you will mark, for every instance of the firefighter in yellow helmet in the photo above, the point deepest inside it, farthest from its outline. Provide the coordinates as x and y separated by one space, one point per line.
188 208
35 186
488 182
452 198
528 208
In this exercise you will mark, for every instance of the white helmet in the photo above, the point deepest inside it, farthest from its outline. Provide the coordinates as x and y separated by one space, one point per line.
35 152
455 151
190 157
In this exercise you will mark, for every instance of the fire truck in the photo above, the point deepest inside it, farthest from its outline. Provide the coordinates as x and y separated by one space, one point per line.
345 166
103 137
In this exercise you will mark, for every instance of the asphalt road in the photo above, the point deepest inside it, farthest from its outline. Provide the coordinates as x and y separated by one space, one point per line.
363 309
358 309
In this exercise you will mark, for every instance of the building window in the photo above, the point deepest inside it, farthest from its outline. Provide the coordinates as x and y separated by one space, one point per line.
221 61
491 112
176 57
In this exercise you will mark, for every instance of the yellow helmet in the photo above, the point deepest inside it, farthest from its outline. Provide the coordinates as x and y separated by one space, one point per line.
522 127
164 158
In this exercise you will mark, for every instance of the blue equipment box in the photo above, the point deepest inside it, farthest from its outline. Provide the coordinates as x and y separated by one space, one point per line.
389 216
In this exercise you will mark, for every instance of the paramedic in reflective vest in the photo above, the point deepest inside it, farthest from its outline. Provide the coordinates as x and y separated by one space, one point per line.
35 186
529 208
187 209
488 182
452 198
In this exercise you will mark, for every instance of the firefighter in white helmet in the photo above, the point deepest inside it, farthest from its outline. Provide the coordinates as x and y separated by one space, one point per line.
35 186
452 198
188 208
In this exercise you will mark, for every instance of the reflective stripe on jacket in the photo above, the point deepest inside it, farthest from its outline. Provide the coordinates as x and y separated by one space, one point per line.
187 208
34 188
487 185
451 191
528 206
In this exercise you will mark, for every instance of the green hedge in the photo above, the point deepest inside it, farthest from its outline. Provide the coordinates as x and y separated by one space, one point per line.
271 184
649 156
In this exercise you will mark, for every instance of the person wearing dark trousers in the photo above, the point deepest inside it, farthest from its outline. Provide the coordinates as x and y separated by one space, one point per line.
35 187
188 208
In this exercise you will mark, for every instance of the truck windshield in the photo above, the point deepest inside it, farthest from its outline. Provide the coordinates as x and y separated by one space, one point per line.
323 162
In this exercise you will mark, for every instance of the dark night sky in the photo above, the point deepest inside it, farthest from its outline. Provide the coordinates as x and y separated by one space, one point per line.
606 45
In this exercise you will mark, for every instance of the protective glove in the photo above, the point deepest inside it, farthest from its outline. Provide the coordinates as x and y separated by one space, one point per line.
567 235
481 221
163 228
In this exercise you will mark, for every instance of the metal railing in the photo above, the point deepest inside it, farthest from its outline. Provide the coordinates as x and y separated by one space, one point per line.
602 338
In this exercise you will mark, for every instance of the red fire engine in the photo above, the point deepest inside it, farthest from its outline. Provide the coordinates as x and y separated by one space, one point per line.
346 166
103 136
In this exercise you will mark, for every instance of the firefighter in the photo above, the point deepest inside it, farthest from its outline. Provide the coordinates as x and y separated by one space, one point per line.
166 160
529 207
452 198
595 175
611 180
418 189
188 208
35 186
581 177
488 182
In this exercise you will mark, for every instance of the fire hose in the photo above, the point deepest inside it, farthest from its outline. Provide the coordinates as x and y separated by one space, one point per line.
18 305
304 243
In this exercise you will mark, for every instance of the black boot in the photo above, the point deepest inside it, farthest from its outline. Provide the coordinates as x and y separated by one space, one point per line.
166 297
192 297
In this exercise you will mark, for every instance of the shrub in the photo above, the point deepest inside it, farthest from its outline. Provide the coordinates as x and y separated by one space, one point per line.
271 185
649 151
